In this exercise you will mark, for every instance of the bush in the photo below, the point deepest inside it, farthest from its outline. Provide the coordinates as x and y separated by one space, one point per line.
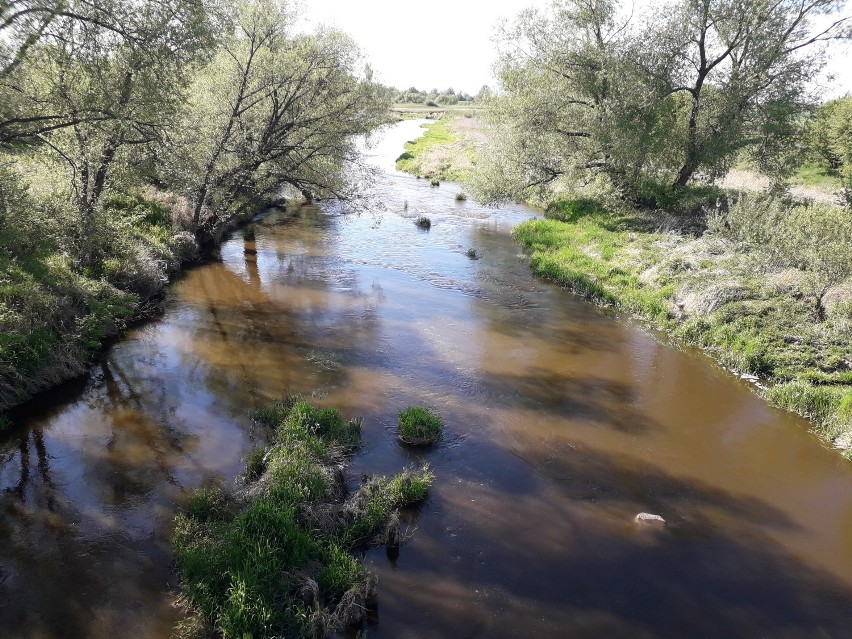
418 426
816 239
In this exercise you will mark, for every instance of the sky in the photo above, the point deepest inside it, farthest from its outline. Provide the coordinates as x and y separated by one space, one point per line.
435 44
448 43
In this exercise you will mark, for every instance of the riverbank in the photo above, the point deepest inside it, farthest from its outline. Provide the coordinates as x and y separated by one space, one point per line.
446 151
276 558
777 310
66 290
783 322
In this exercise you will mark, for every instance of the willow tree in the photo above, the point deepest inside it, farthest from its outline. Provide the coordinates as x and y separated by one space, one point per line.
587 89
63 61
273 108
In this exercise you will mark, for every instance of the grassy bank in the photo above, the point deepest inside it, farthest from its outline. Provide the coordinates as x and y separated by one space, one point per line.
275 559
69 281
67 285
446 151
764 290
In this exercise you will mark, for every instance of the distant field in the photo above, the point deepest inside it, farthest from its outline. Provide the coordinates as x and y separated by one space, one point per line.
455 109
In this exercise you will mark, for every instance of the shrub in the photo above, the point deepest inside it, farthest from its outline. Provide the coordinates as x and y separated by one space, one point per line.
815 239
418 426
255 464
273 414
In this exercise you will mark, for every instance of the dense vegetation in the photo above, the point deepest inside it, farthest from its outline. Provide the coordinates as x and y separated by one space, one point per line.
276 560
828 143
130 133
766 289
652 103
449 96
441 153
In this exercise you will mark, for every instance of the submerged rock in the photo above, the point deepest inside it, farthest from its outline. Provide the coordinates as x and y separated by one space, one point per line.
648 518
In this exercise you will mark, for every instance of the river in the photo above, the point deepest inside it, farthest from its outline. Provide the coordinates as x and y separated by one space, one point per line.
562 423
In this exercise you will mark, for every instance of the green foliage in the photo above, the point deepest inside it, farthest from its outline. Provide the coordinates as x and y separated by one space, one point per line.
374 505
280 563
650 101
104 106
829 134
205 504
815 239
236 138
417 425
410 487
274 413
829 140
255 464
439 154
326 423
827 406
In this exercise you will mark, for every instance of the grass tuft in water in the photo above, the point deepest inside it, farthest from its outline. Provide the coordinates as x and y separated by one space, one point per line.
418 426
423 223
276 559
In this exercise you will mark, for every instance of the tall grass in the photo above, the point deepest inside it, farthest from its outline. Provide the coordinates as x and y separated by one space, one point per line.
276 560
67 284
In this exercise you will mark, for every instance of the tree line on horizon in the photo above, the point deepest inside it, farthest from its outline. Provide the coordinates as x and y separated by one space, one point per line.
449 96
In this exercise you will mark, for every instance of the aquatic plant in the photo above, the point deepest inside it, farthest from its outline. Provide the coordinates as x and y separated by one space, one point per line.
423 223
277 558
418 426
461 196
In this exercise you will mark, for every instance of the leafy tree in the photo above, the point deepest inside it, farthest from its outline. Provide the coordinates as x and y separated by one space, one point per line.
485 93
42 40
830 139
587 90
273 108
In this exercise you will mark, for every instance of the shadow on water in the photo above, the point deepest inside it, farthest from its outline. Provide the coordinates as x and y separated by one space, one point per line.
590 574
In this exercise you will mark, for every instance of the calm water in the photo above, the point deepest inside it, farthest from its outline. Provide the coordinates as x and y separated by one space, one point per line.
561 425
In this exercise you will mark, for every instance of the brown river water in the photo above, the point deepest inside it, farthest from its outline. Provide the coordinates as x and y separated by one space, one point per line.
562 423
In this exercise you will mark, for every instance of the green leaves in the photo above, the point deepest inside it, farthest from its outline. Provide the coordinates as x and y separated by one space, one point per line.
588 90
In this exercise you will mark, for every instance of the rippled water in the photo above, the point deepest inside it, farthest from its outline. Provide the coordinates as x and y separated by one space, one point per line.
562 423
